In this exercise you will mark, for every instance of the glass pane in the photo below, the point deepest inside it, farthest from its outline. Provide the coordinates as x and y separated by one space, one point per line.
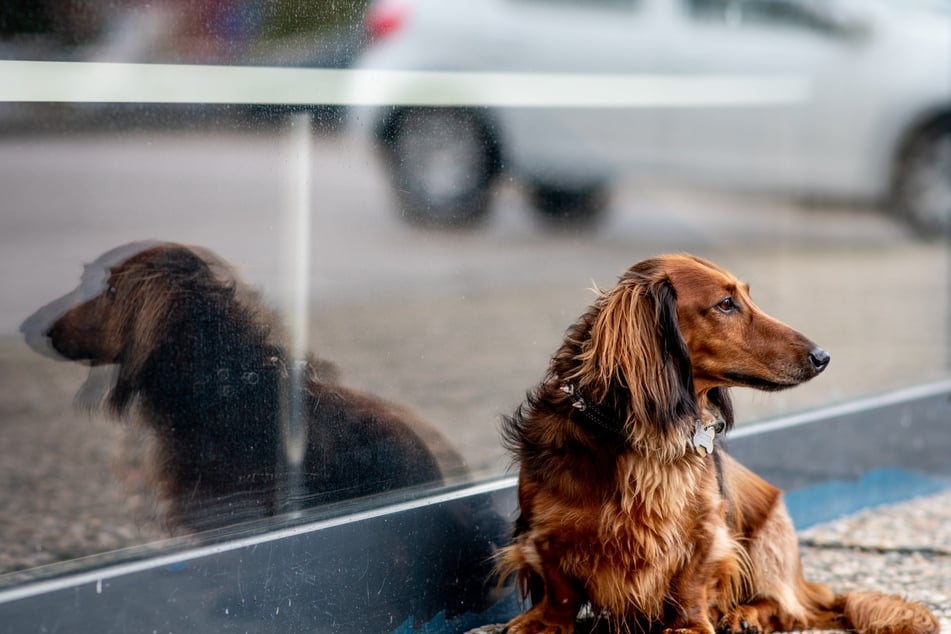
422 193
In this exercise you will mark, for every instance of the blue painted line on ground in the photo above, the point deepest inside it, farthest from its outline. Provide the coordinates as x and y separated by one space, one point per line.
831 500
501 612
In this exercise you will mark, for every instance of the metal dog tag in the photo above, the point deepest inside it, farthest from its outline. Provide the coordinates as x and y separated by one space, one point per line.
703 439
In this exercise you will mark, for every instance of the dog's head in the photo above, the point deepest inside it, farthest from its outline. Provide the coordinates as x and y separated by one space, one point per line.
72 326
127 302
677 331
123 298
730 341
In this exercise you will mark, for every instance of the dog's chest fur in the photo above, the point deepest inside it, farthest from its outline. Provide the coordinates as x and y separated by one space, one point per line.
662 520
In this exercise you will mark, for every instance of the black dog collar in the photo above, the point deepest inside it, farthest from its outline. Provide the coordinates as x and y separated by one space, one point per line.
702 441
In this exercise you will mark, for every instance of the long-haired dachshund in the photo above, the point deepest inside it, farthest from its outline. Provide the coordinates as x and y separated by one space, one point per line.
193 351
626 500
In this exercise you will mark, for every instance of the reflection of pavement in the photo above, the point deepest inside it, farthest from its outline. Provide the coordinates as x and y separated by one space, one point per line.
69 486
903 549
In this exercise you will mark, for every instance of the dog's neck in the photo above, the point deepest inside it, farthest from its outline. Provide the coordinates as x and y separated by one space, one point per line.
600 420
213 395
596 417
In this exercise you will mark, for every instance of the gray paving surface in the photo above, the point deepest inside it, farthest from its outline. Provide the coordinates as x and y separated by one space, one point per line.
903 549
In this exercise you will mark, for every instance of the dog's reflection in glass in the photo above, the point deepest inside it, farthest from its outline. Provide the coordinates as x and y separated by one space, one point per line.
195 357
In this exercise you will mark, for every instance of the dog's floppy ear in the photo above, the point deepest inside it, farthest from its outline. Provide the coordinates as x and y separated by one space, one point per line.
636 345
142 318
677 366
148 305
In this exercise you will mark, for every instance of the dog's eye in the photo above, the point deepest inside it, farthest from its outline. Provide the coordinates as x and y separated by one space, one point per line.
111 291
727 305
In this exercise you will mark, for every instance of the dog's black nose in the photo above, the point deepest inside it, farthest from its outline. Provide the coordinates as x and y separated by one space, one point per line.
820 358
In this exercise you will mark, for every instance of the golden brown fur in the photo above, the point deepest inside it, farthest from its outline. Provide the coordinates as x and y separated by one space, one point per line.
621 507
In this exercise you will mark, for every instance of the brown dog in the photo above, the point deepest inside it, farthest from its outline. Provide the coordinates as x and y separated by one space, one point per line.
622 503
193 351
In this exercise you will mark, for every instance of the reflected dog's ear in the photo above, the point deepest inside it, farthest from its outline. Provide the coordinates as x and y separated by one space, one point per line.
142 315
154 290
635 345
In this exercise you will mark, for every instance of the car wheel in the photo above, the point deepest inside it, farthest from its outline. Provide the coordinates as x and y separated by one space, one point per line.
922 192
443 163
572 207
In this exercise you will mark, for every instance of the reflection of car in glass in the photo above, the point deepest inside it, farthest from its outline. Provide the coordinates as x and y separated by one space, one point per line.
875 123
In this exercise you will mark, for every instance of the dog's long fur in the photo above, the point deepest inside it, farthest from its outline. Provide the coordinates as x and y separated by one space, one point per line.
652 531
195 357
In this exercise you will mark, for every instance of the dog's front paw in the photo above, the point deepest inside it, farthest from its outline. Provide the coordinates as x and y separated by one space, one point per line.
689 630
529 623
744 620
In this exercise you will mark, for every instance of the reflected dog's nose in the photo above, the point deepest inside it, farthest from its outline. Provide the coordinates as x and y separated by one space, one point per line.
820 358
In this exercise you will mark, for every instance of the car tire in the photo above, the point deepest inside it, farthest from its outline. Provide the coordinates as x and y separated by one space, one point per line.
569 207
442 163
922 187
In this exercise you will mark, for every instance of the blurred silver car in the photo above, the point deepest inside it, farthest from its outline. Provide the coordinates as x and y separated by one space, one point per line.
859 107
